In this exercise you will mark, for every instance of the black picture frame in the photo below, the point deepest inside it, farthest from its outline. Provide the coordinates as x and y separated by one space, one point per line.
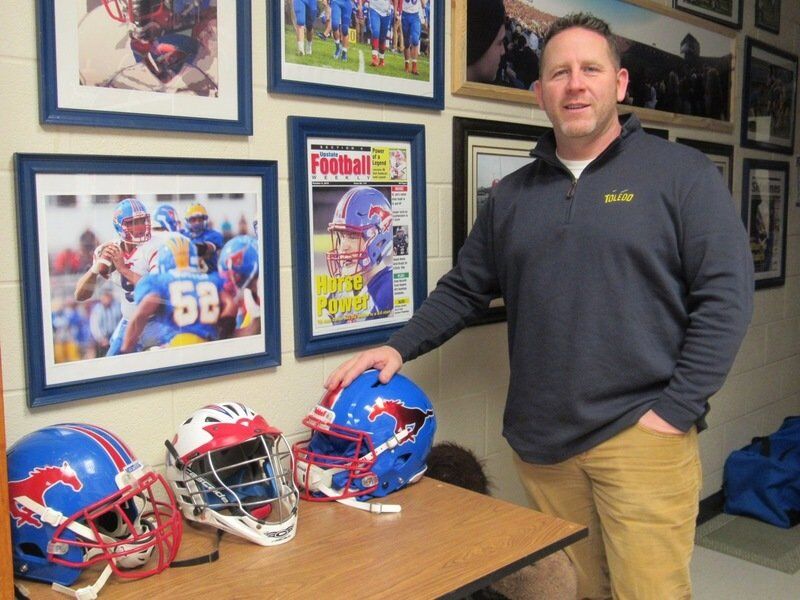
476 141
334 309
321 75
718 12
766 223
769 98
90 74
67 205
768 15
720 154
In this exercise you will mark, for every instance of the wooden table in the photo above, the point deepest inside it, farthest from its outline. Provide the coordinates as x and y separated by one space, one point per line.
447 542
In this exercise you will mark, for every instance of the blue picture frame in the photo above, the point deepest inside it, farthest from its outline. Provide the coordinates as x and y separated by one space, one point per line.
60 195
320 75
317 331
219 99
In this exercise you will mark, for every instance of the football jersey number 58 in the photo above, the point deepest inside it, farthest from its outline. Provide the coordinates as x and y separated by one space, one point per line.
193 301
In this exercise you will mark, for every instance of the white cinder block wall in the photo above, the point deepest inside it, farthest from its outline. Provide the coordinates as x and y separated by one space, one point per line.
466 378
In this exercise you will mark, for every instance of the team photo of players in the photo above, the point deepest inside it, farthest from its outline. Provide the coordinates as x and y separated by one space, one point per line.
151 271
377 37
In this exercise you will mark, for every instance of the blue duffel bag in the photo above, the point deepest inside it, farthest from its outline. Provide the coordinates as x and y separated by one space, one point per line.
762 480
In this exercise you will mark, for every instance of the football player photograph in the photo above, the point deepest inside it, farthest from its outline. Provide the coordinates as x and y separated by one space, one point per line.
166 46
361 245
124 262
628 283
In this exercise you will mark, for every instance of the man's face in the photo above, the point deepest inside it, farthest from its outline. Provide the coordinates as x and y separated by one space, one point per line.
579 86
349 245
485 68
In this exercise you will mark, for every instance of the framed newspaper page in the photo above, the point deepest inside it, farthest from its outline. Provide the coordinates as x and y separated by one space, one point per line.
358 220
182 66
139 272
364 53
765 208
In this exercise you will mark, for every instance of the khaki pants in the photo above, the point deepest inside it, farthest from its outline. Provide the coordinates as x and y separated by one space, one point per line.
638 493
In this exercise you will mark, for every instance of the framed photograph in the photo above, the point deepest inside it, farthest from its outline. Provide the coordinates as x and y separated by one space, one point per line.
769 98
363 54
765 208
720 154
680 65
483 153
182 66
724 12
358 219
662 133
768 15
139 272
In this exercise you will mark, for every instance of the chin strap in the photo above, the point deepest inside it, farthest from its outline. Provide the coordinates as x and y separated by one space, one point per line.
55 518
89 592
376 508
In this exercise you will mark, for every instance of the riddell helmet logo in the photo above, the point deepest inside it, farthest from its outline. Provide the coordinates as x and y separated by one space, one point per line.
35 486
406 418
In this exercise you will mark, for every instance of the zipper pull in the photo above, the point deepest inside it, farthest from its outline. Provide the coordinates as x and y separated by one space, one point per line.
571 191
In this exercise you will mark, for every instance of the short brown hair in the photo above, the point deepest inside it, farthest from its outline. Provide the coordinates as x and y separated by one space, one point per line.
584 21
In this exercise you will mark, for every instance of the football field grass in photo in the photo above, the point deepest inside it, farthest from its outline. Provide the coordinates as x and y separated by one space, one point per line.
359 57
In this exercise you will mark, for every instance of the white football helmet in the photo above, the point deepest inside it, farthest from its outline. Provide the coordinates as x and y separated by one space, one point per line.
230 469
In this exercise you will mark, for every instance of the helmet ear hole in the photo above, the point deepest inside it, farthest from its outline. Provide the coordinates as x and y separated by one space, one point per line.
30 549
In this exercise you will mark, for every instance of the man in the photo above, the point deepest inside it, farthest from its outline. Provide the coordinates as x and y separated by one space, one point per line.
124 262
628 284
412 15
184 302
305 13
341 15
380 22
207 240
103 319
238 269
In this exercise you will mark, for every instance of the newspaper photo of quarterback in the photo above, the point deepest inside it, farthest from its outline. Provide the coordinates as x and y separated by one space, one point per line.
207 240
183 304
124 262
155 45
359 192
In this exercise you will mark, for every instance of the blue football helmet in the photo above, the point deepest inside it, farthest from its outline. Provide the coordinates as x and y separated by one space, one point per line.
166 218
178 252
78 496
232 470
132 221
238 261
196 219
368 440
363 213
